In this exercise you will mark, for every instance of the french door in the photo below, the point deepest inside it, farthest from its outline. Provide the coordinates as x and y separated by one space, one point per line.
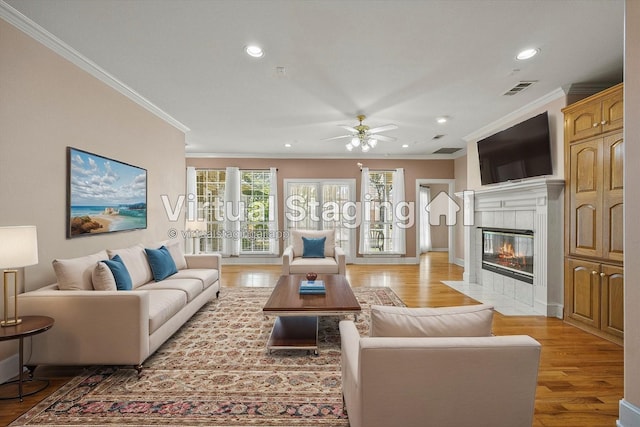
315 204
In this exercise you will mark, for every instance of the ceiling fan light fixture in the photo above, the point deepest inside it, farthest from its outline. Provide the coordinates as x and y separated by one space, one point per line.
365 148
373 142
355 141
349 147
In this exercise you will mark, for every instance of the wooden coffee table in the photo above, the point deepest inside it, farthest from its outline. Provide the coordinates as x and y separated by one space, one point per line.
296 326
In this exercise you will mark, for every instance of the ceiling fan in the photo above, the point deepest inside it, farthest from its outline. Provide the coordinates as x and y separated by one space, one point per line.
364 137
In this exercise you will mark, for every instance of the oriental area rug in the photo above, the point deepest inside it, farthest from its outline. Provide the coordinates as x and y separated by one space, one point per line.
216 371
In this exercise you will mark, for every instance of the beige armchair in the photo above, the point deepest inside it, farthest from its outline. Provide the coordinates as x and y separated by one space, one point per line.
438 381
333 261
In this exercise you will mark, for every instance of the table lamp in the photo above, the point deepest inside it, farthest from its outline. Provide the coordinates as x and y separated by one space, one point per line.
197 230
18 248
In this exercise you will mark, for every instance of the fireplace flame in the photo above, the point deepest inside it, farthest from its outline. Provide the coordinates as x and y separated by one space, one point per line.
507 252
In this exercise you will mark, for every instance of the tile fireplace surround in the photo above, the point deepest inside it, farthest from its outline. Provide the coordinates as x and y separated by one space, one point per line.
537 205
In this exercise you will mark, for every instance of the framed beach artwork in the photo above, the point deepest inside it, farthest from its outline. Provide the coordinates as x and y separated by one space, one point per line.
103 195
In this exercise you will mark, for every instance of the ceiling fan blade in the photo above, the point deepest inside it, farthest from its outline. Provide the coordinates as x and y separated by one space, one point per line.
338 137
383 128
349 128
384 138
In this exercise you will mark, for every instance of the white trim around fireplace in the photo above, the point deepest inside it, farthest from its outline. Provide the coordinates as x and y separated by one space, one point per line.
533 204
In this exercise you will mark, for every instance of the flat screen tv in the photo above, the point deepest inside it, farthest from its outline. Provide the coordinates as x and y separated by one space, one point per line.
521 151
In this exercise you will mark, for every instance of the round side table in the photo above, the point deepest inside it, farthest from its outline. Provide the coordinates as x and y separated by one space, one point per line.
30 325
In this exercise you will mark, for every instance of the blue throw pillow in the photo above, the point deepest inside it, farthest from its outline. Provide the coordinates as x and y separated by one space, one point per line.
161 263
313 248
120 273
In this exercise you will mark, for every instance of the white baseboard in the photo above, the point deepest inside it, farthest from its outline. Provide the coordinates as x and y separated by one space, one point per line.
252 260
629 415
8 368
549 310
386 260
459 262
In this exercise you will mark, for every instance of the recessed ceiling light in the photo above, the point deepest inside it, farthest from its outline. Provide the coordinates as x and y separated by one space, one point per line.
255 51
441 120
527 53
287 145
405 145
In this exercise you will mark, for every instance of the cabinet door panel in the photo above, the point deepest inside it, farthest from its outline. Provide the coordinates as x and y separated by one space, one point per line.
613 300
612 197
612 112
584 122
582 294
585 200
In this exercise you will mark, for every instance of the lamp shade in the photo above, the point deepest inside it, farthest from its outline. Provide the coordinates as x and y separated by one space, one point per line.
18 246
197 225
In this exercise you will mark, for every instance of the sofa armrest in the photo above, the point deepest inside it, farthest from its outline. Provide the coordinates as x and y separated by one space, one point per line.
350 345
341 260
212 261
90 327
287 257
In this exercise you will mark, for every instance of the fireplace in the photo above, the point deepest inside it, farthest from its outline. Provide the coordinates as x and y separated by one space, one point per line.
508 252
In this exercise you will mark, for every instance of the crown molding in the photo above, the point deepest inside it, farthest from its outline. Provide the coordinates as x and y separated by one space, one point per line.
499 124
370 156
26 25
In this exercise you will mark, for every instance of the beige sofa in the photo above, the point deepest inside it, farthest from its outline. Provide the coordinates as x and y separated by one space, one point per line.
117 327
333 262
426 378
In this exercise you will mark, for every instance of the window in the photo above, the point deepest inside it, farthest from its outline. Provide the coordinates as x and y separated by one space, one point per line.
250 205
209 192
316 204
380 211
255 200
382 198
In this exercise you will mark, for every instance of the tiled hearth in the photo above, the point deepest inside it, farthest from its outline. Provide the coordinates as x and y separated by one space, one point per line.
535 205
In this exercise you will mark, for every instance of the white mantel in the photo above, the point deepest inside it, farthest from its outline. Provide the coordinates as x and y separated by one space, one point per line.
533 204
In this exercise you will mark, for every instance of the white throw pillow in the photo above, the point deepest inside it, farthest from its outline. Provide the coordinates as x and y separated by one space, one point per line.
462 321
75 273
102 278
329 244
135 259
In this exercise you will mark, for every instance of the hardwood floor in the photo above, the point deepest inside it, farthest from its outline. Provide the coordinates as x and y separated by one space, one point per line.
580 381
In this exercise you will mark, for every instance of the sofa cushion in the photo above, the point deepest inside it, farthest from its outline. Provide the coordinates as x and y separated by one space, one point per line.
161 263
120 273
207 276
329 244
317 265
75 273
175 249
163 305
191 287
313 247
463 321
136 261
102 278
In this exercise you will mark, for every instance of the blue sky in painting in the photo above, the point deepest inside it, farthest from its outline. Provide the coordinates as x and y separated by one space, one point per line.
98 181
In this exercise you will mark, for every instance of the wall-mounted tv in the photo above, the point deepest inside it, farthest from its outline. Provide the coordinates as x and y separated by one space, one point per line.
521 151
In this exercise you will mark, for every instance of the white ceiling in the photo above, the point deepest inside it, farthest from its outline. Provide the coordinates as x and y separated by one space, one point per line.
397 61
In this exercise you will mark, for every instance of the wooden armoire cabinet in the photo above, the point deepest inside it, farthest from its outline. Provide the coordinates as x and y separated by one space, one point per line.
594 234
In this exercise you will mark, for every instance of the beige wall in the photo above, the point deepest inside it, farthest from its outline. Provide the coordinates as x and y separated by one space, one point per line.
632 206
556 131
460 171
339 169
47 104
